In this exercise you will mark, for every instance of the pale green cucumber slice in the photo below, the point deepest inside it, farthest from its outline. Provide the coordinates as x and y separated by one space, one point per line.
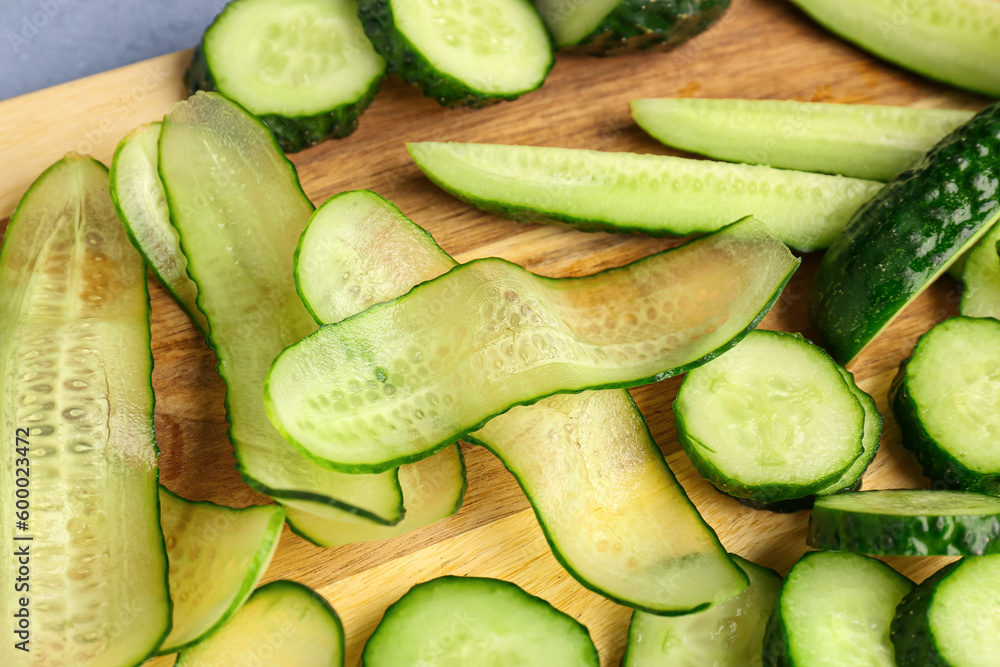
649 194
871 439
861 141
217 555
283 624
981 277
238 209
396 383
75 384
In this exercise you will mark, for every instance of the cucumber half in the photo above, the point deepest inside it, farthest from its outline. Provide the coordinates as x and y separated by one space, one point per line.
304 67
473 621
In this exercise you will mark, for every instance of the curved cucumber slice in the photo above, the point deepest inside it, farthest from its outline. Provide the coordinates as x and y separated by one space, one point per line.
217 555
239 210
729 634
648 194
283 624
76 404
835 609
405 382
872 142
981 277
472 621
954 41
907 523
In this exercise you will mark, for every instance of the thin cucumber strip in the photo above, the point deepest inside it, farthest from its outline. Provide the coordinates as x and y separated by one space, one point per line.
729 634
304 67
237 206
981 277
835 609
907 235
870 441
76 402
649 194
871 142
473 621
283 624
954 41
647 547
217 555
405 382
907 523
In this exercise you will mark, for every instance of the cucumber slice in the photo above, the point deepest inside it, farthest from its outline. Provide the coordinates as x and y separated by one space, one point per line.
76 405
952 619
872 142
946 399
954 41
729 634
473 621
304 67
870 441
981 276
464 52
835 609
649 194
648 547
907 523
907 235
398 382
239 210
770 421
609 26
217 555
283 624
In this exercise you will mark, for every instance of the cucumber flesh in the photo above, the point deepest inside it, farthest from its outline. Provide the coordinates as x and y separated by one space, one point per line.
649 194
870 441
871 142
76 388
283 624
472 621
981 277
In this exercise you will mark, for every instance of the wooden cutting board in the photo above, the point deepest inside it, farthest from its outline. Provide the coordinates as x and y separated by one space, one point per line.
761 49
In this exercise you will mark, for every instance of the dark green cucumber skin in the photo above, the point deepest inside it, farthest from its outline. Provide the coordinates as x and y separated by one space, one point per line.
881 260
293 133
404 60
910 631
642 25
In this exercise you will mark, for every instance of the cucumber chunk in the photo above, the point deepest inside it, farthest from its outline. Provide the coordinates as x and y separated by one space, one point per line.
729 634
283 624
907 523
76 408
473 621
304 67
649 194
870 441
981 277
772 420
873 142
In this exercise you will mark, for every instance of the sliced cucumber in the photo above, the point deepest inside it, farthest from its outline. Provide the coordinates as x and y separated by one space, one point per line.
729 634
472 621
304 67
649 194
283 624
907 235
85 576
870 441
946 399
981 277
873 142
398 382
954 41
770 421
952 618
835 609
463 52
217 555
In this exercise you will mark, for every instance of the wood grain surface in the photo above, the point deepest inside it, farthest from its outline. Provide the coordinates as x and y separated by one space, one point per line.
761 49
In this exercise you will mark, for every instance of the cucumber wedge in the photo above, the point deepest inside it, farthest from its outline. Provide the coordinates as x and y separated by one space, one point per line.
304 67
981 277
217 555
649 194
283 624
954 41
86 575
907 235
472 621
870 441
872 142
